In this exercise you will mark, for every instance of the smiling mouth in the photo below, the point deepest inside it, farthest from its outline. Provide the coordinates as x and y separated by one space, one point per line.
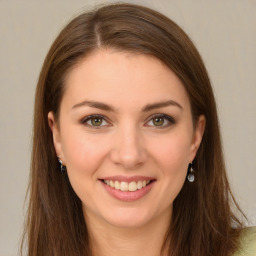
127 186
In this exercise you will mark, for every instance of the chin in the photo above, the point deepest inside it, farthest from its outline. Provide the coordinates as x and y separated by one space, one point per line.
129 218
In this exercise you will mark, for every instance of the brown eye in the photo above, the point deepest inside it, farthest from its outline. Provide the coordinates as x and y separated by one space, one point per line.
161 121
158 121
96 121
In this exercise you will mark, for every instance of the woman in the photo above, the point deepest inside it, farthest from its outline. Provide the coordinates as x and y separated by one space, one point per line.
127 156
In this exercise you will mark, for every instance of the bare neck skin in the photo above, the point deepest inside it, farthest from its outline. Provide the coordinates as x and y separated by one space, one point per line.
108 240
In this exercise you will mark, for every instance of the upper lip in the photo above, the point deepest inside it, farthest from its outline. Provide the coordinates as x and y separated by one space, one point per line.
127 179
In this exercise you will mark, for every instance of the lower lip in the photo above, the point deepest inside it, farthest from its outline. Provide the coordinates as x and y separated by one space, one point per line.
127 195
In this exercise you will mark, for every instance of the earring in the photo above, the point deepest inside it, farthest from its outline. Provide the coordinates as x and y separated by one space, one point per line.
62 167
191 173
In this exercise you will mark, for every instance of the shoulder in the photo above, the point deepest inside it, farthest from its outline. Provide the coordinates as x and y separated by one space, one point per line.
247 242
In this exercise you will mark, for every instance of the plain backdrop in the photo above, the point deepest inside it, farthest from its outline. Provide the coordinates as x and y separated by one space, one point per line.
224 31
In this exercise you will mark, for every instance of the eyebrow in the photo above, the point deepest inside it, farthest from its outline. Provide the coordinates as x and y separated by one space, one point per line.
95 104
147 108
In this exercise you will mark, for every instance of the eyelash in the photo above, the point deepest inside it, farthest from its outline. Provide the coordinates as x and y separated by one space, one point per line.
169 119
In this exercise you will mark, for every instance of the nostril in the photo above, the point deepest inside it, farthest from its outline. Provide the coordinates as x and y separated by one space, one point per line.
128 157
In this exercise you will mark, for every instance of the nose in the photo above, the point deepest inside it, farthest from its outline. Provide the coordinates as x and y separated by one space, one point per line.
128 149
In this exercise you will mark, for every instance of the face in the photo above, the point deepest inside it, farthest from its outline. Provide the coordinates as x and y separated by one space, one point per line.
126 137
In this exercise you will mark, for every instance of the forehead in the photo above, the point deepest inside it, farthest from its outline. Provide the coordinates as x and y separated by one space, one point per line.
122 78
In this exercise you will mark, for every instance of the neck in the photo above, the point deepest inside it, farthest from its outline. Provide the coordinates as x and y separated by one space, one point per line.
109 240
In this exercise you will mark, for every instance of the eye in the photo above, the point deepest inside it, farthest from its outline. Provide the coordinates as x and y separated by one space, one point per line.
94 121
161 120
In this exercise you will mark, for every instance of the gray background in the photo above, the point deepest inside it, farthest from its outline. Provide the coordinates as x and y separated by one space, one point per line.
224 32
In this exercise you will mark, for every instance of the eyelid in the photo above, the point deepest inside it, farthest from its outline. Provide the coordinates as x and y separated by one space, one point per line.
170 119
87 118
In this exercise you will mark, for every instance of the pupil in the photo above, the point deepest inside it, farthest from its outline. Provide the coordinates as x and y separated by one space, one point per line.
97 121
158 121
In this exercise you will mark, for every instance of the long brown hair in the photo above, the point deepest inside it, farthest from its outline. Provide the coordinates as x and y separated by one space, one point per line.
202 222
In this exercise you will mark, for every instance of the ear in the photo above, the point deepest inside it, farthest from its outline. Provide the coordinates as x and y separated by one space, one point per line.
56 136
197 136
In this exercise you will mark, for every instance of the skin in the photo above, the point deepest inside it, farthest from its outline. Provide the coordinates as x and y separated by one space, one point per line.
128 142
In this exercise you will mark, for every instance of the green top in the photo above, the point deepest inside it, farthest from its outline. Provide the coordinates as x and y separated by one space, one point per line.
248 243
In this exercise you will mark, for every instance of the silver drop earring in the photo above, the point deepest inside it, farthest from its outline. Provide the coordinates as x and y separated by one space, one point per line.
191 173
62 167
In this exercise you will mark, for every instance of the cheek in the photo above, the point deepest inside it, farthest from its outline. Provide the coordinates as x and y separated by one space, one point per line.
173 149
83 157
83 153
172 157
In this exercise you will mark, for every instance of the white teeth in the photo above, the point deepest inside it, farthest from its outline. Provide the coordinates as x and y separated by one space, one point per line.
125 186
132 186
111 183
139 184
117 185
